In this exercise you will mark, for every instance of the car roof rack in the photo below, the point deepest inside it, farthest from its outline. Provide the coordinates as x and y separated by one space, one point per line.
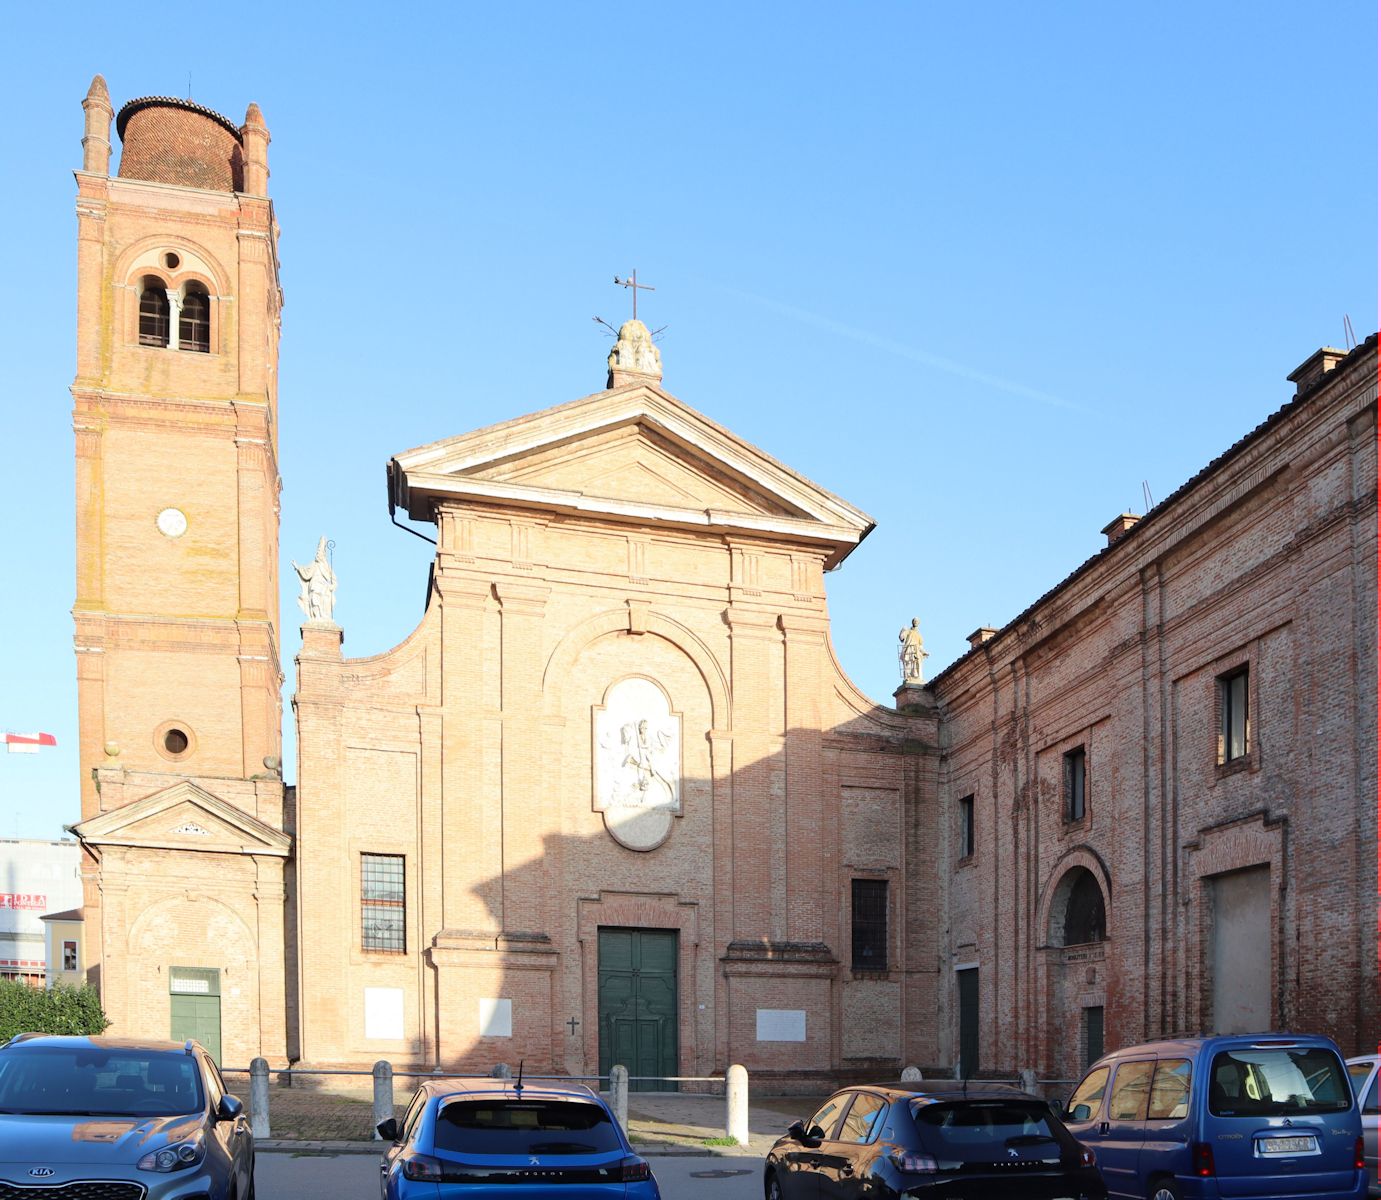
188 1048
22 1037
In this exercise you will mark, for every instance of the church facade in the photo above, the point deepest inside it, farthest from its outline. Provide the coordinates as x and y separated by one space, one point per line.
629 802
614 799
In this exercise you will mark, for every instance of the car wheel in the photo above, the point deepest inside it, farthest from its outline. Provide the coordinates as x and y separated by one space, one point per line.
773 1188
1166 1189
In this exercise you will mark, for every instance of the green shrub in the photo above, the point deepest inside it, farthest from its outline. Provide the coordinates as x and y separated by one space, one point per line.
59 1009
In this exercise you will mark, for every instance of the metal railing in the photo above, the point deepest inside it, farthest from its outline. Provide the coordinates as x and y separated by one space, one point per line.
733 1085
616 1083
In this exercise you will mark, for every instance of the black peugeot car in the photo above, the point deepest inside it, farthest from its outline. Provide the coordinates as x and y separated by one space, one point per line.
952 1142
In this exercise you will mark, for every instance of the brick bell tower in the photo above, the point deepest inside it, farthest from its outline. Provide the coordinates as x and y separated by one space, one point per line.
176 611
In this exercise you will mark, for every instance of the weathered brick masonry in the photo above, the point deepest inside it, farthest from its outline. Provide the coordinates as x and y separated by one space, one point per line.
1265 560
176 612
616 786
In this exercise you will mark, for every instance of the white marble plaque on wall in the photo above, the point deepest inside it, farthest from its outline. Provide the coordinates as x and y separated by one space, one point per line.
637 763
496 1018
383 1013
781 1025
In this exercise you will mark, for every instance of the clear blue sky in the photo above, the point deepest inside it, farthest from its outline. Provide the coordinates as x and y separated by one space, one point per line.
981 269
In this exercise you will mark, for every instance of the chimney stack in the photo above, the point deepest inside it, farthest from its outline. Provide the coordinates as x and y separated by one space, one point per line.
1116 528
980 635
1314 368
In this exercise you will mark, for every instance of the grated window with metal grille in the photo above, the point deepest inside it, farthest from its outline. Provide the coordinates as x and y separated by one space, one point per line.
870 924
383 906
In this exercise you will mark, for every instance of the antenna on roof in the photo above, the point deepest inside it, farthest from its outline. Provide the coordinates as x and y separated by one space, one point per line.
518 1087
189 85
1146 495
1349 338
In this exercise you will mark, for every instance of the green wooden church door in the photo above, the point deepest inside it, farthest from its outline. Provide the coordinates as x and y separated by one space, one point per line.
638 1019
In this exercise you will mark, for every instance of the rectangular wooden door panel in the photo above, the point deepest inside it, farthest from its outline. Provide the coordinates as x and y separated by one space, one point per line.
638 1010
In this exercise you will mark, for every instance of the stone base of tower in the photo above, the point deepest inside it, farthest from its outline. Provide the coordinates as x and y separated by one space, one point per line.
189 919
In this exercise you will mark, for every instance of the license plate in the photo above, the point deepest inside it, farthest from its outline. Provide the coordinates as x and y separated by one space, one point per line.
1287 1145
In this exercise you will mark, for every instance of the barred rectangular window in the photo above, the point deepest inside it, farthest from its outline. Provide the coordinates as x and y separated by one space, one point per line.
870 924
1076 784
383 909
1232 701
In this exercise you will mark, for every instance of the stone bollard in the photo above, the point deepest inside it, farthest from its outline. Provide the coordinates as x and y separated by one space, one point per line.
1028 1080
383 1094
911 1074
736 1104
618 1095
259 1098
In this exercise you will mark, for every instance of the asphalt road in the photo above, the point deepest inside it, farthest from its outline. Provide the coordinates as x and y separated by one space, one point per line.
356 1177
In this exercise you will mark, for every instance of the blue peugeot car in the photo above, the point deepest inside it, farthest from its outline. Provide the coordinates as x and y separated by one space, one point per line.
1263 1115
485 1139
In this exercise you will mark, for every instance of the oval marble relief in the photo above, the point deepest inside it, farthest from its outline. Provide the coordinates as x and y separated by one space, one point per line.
637 763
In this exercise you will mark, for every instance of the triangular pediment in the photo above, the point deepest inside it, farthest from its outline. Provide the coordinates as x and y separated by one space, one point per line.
629 453
185 816
638 463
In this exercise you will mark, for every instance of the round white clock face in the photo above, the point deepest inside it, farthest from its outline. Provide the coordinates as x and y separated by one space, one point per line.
172 522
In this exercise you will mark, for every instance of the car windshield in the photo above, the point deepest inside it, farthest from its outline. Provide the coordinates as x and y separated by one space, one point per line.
985 1131
1267 1081
525 1127
97 1082
1357 1072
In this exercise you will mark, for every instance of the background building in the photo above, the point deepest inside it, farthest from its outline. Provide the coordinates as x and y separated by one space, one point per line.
36 877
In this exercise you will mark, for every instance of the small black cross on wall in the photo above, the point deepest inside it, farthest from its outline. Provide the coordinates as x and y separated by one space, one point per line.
572 1023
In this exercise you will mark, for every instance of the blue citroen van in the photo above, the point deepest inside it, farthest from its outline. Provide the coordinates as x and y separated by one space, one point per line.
1258 1116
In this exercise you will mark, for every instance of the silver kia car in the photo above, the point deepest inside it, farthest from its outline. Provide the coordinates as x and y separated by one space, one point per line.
97 1118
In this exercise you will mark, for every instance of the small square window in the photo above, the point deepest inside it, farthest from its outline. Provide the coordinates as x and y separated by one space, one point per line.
966 827
1076 784
1234 729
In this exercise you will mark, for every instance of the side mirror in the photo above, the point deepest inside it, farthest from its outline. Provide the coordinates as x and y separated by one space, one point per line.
1080 1112
388 1130
229 1108
796 1131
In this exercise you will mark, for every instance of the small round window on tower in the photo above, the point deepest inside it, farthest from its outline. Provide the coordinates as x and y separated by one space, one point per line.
171 261
175 741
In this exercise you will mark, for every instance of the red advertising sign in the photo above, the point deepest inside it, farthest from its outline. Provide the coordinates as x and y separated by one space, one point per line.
23 900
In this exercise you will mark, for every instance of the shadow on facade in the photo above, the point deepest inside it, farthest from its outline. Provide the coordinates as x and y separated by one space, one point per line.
786 918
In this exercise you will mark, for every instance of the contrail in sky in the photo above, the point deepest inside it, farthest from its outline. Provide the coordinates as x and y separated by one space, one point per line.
923 357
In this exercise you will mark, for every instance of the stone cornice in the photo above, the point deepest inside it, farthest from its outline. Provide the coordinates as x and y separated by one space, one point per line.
449 470
113 828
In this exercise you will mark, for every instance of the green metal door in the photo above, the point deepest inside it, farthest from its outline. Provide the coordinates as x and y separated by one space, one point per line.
638 1019
196 1006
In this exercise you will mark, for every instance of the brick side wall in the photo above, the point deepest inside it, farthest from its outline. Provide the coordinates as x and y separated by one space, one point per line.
1268 564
